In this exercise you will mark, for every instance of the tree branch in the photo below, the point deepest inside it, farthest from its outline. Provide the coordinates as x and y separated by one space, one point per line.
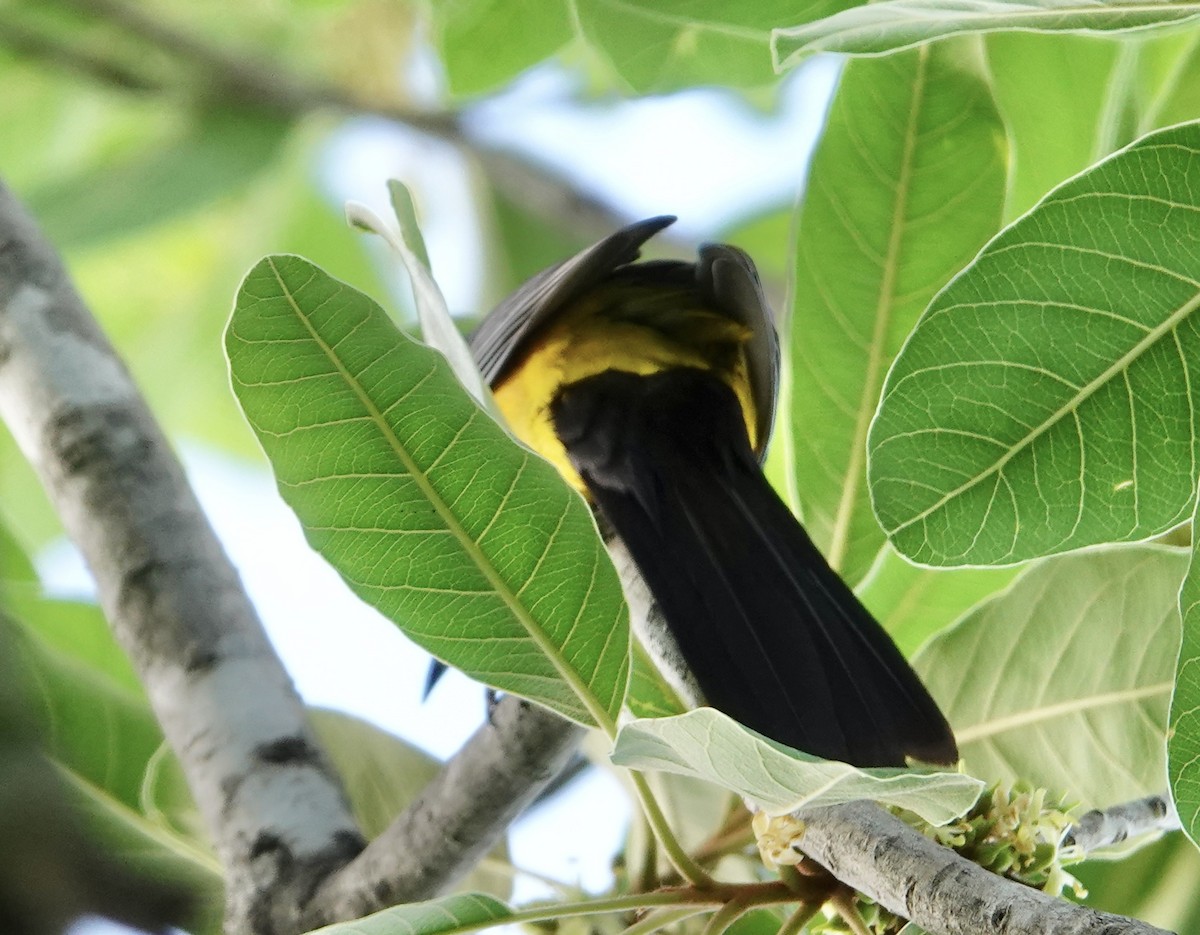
39 44
943 893
225 76
270 802
1105 827
459 816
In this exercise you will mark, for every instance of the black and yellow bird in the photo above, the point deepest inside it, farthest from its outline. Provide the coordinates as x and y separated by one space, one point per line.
651 387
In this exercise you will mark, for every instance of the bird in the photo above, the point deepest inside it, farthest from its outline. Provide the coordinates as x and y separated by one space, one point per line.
651 386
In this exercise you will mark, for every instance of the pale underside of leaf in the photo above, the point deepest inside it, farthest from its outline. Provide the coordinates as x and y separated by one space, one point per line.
893 25
1063 680
708 745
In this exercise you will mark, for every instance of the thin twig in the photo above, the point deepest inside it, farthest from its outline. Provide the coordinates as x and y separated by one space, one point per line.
1106 827
27 42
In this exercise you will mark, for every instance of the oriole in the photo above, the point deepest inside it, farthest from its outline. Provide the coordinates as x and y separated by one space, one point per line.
652 386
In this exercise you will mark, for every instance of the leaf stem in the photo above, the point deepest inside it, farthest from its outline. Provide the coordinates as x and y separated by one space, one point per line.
661 918
680 858
843 902
798 919
726 916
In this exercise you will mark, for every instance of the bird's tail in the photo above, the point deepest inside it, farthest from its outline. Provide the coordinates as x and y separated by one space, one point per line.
773 636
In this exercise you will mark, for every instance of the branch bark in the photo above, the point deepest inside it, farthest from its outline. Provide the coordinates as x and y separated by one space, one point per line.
1106 827
459 816
879 855
274 809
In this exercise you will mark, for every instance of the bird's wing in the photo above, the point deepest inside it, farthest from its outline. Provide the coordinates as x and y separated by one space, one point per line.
502 333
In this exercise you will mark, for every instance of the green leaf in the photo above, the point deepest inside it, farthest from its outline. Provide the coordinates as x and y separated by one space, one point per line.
649 693
218 155
901 24
914 603
1170 71
706 744
100 730
410 230
651 45
15 566
424 505
907 183
522 243
438 328
1064 679
515 33
468 912
382 774
1155 884
145 846
1053 91
663 45
1046 401
74 630
1183 746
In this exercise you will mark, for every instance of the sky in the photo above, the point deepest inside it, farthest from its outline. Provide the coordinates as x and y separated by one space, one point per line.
699 154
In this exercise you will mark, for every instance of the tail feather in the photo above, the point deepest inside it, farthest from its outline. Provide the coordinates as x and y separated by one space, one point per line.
773 636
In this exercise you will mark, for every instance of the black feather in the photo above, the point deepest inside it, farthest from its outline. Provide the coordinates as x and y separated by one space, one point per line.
774 637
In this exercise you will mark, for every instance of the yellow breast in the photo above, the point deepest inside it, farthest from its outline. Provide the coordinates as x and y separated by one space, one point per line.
635 328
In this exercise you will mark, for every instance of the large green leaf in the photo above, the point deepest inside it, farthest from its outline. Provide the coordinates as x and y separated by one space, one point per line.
907 183
1183 747
468 912
706 744
424 504
1047 399
1064 679
914 603
893 25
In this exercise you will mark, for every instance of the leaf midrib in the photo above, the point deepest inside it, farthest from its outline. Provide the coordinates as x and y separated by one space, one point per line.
988 729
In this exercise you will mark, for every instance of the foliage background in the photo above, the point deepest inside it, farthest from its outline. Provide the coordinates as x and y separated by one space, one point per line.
165 163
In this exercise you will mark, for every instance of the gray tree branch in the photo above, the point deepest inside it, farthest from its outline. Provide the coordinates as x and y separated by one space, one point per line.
274 809
458 818
1117 823
879 855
